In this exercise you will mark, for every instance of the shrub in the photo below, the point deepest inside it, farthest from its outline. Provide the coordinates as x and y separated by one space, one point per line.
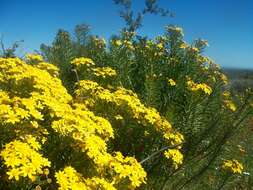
184 86
49 137
133 113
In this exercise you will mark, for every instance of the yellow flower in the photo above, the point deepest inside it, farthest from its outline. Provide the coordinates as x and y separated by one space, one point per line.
99 183
32 142
226 94
99 42
14 173
194 49
160 46
82 61
118 42
146 133
183 46
175 30
45 99
104 72
128 167
230 105
12 118
171 82
118 117
37 187
46 171
224 78
233 166
70 179
199 86
34 57
128 44
22 160
207 89
123 99
53 70
175 155
49 180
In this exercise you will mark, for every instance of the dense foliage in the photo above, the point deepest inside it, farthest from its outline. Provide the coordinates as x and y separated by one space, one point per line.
185 86
130 113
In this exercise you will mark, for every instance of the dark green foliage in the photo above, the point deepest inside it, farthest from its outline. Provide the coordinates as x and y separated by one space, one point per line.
61 53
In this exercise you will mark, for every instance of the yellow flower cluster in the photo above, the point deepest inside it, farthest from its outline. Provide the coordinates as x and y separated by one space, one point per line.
70 179
175 138
149 44
23 160
175 155
37 95
118 117
34 57
53 70
122 168
128 44
117 43
37 103
99 42
184 46
199 86
104 72
233 166
33 90
82 61
127 101
228 101
230 105
91 133
128 167
160 46
154 48
171 82
175 30
81 123
224 78
194 49
99 183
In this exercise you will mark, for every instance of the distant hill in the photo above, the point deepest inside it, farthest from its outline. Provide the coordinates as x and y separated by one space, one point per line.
239 78
239 73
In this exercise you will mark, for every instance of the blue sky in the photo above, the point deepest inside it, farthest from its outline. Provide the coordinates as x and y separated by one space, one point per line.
226 24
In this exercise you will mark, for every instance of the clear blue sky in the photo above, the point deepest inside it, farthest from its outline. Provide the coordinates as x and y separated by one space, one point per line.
226 24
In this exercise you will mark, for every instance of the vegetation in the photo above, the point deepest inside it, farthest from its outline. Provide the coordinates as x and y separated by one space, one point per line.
130 113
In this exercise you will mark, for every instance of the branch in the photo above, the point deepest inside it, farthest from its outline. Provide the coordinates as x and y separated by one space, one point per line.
159 151
77 77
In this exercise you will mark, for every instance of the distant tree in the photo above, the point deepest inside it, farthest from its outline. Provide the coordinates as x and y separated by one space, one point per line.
134 21
10 51
81 33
